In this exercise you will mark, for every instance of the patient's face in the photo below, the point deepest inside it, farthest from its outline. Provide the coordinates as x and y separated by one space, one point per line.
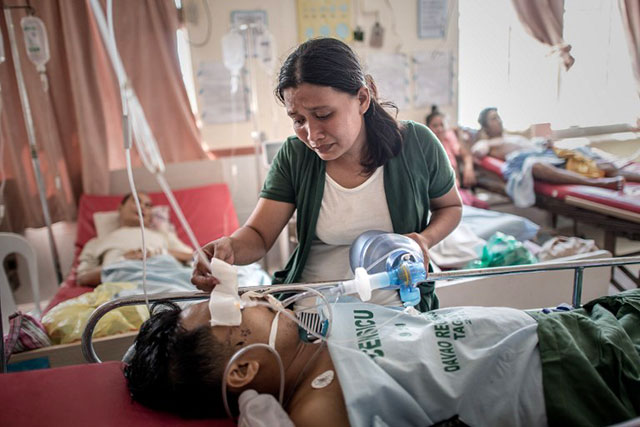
129 213
494 124
255 327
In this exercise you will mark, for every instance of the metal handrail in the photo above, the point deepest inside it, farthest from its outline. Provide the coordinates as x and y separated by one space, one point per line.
87 336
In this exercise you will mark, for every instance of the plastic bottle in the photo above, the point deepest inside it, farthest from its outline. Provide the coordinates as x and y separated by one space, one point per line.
233 56
36 41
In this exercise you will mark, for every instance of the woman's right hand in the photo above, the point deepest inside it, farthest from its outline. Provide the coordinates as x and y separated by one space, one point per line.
201 276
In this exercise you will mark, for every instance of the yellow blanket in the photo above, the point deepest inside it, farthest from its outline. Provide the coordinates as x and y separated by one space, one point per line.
66 321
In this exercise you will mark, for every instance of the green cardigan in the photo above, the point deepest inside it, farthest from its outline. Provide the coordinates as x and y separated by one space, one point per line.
421 171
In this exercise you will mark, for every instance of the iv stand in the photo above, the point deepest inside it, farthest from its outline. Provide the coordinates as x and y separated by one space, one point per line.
257 136
28 120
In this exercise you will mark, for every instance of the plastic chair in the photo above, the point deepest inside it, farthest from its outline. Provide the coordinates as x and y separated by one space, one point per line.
14 243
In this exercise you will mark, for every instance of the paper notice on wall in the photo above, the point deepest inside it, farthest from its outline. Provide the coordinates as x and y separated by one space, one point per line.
432 19
324 18
390 72
432 78
218 103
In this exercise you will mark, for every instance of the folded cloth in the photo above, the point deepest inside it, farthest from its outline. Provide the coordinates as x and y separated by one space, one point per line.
517 170
456 250
562 246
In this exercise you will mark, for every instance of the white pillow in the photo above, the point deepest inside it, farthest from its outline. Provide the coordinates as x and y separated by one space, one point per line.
106 222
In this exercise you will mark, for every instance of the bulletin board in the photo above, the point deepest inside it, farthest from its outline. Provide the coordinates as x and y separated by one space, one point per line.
324 18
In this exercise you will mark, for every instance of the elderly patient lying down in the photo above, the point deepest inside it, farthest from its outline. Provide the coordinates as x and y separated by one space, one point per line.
121 249
465 365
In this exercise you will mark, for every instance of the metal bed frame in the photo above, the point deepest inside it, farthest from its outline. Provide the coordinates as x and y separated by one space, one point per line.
578 266
613 227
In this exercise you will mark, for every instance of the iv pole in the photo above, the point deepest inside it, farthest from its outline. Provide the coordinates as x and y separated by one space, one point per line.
28 120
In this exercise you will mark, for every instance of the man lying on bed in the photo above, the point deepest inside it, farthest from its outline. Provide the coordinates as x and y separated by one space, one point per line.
526 159
471 365
117 257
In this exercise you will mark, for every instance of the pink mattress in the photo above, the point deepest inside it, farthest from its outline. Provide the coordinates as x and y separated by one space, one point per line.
208 209
623 204
81 395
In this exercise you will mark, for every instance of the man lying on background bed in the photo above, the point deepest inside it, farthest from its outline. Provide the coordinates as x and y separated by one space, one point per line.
114 261
116 257
462 366
526 159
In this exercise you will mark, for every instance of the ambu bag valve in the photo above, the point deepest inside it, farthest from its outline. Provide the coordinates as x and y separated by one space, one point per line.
386 260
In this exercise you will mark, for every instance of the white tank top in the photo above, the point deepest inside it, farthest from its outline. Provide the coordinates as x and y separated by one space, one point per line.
345 213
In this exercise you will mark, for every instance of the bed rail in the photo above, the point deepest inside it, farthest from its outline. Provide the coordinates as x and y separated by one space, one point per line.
578 266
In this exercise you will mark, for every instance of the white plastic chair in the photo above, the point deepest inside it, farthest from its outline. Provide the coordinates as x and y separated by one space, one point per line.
14 243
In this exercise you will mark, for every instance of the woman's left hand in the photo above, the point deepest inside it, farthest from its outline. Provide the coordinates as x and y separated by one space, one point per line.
424 245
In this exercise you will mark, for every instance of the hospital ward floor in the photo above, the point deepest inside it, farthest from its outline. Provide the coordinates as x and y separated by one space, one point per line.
565 228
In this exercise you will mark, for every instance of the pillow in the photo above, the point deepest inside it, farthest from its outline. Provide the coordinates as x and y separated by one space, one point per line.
106 222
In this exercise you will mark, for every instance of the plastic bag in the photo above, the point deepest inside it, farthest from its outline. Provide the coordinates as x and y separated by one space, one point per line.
66 321
502 250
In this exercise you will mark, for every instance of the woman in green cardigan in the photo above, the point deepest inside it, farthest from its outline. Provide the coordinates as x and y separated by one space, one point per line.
351 167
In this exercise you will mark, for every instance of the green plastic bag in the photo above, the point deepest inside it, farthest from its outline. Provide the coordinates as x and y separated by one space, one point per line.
502 250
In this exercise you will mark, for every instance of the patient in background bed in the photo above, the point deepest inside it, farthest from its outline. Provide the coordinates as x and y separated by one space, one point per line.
494 142
125 243
462 366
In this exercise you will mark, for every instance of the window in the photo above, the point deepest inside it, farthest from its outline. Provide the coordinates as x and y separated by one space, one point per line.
184 57
501 65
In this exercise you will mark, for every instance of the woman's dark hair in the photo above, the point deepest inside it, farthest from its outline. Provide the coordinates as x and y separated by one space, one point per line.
176 370
482 118
433 114
330 62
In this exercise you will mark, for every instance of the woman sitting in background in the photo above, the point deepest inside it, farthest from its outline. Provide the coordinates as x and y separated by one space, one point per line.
438 124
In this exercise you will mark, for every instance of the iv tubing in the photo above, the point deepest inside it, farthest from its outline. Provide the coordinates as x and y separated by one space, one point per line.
183 221
134 193
127 95
33 148
239 353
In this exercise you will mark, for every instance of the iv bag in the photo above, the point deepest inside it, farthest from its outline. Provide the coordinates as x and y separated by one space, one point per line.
35 40
233 54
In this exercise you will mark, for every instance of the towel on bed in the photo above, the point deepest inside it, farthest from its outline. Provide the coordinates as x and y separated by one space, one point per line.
517 170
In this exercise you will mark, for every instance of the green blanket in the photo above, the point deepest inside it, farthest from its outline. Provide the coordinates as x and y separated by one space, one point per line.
591 361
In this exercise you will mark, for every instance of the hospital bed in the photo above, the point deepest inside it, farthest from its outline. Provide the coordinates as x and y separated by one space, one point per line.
210 212
96 393
616 213
209 209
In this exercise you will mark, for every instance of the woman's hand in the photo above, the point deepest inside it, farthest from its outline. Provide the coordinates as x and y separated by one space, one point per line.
201 276
422 242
